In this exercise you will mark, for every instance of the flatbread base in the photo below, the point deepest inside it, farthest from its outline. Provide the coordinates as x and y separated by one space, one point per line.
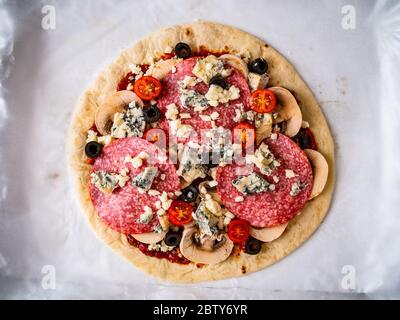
214 37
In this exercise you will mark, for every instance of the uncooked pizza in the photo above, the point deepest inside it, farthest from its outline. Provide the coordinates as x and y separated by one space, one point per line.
200 154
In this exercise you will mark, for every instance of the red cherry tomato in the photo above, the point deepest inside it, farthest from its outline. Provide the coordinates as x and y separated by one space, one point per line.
147 88
156 136
238 231
245 133
263 101
180 213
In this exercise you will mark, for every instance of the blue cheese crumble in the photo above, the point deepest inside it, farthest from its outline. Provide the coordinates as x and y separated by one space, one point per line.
144 180
251 184
107 182
129 123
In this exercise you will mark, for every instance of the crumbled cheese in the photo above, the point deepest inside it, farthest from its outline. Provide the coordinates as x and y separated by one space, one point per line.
158 204
295 189
91 136
289 173
264 159
185 116
214 115
145 179
239 199
216 95
250 184
138 160
209 67
162 176
159 247
205 117
177 193
257 81
274 136
104 139
205 220
163 219
107 182
183 131
135 69
129 87
305 124
271 187
276 179
165 202
190 167
129 123
172 112
193 99
173 69
153 192
146 217
188 82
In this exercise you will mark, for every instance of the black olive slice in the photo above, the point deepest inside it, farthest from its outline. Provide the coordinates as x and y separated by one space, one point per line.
151 114
182 50
259 66
219 81
172 239
189 194
93 149
253 246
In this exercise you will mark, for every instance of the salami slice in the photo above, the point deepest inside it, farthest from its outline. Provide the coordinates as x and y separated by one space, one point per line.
273 207
121 209
171 94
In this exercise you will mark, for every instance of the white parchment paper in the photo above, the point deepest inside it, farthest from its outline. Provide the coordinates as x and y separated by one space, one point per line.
354 74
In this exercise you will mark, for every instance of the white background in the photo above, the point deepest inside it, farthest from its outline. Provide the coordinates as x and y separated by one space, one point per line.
353 73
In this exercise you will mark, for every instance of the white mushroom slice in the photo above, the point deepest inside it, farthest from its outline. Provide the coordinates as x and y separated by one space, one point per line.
288 110
162 68
184 183
149 237
268 234
320 171
236 62
208 253
263 127
117 102
204 189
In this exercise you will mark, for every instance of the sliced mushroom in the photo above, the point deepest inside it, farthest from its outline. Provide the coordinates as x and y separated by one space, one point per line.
236 62
263 127
162 68
268 234
149 237
288 110
208 253
204 189
320 171
117 102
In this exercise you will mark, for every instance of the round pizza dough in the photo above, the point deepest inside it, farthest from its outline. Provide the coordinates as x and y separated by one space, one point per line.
214 37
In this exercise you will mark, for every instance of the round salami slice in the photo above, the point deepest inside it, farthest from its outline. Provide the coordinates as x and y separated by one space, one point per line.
171 94
121 209
292 182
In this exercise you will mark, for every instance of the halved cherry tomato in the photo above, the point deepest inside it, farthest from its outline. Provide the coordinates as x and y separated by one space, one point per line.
147 87
263 101
245 133
238 231
180 212
157 137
